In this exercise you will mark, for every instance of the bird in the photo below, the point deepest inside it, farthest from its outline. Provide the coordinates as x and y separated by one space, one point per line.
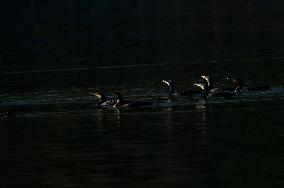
209 91
239 85
102 100
173 92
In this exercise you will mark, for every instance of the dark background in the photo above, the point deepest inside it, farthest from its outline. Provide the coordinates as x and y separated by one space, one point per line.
52 34
52 53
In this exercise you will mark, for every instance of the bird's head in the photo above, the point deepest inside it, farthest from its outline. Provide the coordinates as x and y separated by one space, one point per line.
171 86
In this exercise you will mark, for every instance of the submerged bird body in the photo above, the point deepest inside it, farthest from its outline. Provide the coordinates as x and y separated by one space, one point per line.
214 92
224 94
120 102
190 92
239 86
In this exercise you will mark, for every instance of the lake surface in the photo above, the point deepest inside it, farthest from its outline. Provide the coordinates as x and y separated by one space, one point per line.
54 136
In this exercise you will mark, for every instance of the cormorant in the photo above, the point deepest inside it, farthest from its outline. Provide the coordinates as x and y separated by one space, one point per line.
102 100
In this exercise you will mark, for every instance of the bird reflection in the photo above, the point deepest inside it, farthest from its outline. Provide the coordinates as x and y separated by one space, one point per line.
203 104
119 117
204 109
101 116
169 116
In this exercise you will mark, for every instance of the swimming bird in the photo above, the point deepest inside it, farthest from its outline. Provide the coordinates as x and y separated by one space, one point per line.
239 85
102 100
209 91
173 92
121 102
209 85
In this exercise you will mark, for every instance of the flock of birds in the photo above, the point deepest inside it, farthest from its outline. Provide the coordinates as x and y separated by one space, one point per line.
205 90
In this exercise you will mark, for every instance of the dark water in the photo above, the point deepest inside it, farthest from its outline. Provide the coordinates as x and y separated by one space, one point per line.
221 143
55 137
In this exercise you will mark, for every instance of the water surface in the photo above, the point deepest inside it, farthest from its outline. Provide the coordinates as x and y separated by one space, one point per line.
55 137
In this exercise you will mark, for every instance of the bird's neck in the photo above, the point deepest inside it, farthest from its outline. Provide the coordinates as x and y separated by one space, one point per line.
171 90
119 101
239 85
103 99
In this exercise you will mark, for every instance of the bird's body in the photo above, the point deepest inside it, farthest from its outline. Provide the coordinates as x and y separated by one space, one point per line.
214 92
238 85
